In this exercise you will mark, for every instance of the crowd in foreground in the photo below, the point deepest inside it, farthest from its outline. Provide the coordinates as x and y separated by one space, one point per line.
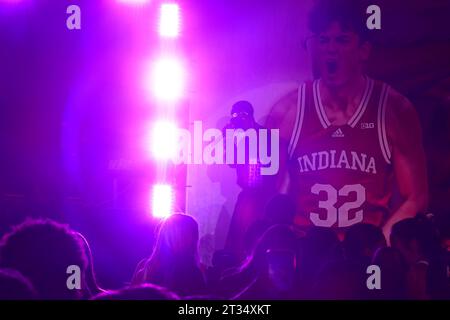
281 262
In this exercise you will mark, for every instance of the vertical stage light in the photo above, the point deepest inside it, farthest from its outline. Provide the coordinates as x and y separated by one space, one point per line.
166 79
163 140
169 20
165 82
162 200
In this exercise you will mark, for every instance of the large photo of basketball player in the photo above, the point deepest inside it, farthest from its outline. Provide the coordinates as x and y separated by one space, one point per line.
348 138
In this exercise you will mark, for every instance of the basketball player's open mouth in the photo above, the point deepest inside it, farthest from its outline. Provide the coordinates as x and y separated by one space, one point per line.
332 66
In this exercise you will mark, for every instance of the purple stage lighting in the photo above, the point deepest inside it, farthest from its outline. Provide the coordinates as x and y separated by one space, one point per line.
133 2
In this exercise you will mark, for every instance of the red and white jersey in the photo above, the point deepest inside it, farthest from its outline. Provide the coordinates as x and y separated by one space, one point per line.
340 175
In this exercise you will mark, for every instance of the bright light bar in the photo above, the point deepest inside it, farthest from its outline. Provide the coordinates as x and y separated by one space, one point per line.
169 20
166 79
163 140
162 200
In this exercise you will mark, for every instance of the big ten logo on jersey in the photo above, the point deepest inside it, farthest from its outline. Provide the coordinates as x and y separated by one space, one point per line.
367 125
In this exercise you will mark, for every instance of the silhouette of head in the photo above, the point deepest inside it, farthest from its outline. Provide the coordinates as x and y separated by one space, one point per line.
242 115
173 263
362 240
14 286
276 238
416 238
394 268
42 250
178 236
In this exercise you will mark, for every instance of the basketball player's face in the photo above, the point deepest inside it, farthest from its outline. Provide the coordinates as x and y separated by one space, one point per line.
339 55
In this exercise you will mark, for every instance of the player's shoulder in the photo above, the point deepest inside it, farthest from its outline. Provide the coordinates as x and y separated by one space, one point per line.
397 103
401 115
283 113
284 106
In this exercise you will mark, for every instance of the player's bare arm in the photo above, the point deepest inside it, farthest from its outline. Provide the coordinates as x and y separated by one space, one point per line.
408 158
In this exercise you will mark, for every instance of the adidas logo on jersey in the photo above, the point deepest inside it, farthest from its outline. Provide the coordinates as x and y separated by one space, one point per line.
338 134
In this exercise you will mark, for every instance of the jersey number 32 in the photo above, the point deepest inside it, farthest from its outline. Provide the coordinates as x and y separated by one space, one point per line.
338 215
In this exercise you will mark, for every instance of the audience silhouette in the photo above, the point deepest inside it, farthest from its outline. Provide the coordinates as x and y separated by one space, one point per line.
282 262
